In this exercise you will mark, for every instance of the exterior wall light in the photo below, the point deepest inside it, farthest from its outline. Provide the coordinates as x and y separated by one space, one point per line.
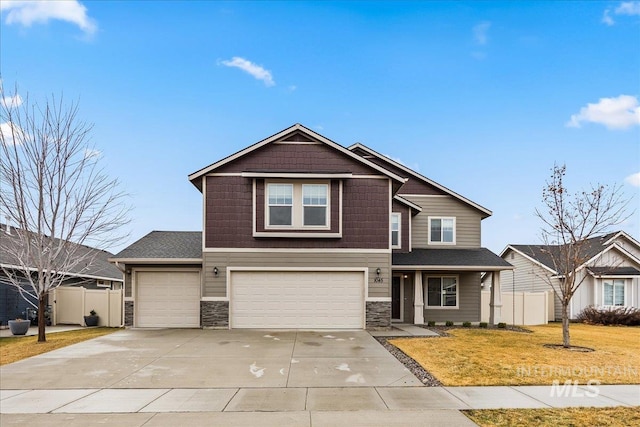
215 271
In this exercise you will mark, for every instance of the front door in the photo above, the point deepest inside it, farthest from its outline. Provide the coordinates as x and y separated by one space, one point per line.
396 298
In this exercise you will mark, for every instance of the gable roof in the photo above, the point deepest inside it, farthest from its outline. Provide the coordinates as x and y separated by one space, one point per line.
98 268
593 247
420 177
162 246
292 129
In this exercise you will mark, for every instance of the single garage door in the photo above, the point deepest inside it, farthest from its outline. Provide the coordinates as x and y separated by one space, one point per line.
167 299
297 300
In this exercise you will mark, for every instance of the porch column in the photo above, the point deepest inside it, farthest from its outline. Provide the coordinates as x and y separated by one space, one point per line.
495 305
418 299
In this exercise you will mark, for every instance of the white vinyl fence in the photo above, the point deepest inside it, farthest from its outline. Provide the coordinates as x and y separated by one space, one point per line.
528 308
71 304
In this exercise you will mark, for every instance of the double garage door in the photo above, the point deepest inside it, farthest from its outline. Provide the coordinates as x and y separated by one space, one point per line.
297 299
258 299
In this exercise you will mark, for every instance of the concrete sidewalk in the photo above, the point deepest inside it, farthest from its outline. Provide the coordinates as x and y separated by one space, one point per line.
304 407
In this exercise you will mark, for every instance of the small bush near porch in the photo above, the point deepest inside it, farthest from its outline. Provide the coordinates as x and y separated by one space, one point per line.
503 357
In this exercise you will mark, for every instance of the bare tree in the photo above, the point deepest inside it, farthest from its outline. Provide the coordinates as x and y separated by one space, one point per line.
56 195
570 220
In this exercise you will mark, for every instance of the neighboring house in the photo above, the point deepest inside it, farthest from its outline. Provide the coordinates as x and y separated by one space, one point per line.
99 273
612 272
301 232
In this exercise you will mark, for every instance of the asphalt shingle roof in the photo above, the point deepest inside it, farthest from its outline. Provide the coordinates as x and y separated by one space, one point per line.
615 271
454 257
97 260
542 253
164 245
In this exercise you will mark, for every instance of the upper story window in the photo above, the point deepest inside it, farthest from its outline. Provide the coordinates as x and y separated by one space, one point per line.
297 205
314 202
395 230
442 230
280 202
613 292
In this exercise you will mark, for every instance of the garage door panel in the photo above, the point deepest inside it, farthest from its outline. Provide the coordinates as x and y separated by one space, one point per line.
311 300
168 299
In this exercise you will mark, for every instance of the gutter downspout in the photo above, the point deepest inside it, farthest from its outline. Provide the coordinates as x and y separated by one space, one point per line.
124 279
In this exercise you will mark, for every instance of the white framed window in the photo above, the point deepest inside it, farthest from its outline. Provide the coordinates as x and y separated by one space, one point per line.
441 292
297 206
442 230
280 204
314 204
396 224
613 292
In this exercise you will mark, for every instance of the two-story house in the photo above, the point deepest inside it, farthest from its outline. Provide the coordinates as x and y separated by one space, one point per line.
302 232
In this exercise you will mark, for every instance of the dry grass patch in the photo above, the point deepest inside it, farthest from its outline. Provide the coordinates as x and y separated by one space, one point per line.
13 349
575 417
502 357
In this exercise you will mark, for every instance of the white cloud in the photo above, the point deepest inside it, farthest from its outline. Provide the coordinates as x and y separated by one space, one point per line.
7 132
28 12
607 19
615 113
257 71
12 101
480 32
629 8
91 153
633 179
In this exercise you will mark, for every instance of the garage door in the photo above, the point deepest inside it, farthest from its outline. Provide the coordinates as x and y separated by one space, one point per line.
292 300
167 299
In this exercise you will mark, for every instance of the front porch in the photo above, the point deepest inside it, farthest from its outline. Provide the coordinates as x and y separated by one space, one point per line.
444 285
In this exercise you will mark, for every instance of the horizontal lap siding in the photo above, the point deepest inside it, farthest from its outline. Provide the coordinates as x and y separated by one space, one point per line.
467 220
527 277
217 286
469 300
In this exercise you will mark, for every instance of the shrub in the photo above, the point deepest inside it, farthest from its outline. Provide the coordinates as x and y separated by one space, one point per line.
502 325
448 323
466 324
483 324
626 316
431 323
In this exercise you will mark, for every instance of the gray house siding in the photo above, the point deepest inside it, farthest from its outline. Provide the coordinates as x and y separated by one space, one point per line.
216 286
468 304
468 219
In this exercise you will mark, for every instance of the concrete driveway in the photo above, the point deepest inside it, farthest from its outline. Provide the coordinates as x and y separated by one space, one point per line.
172 358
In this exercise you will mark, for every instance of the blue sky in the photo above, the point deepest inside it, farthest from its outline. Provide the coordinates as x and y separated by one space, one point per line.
482 97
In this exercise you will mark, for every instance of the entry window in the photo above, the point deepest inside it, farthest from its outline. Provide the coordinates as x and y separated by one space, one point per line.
442 230
442 292
395 230
280 204
314 204
613 292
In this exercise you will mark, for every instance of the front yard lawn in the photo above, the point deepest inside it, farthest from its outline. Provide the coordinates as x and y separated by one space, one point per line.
575 417
503 357
13 349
